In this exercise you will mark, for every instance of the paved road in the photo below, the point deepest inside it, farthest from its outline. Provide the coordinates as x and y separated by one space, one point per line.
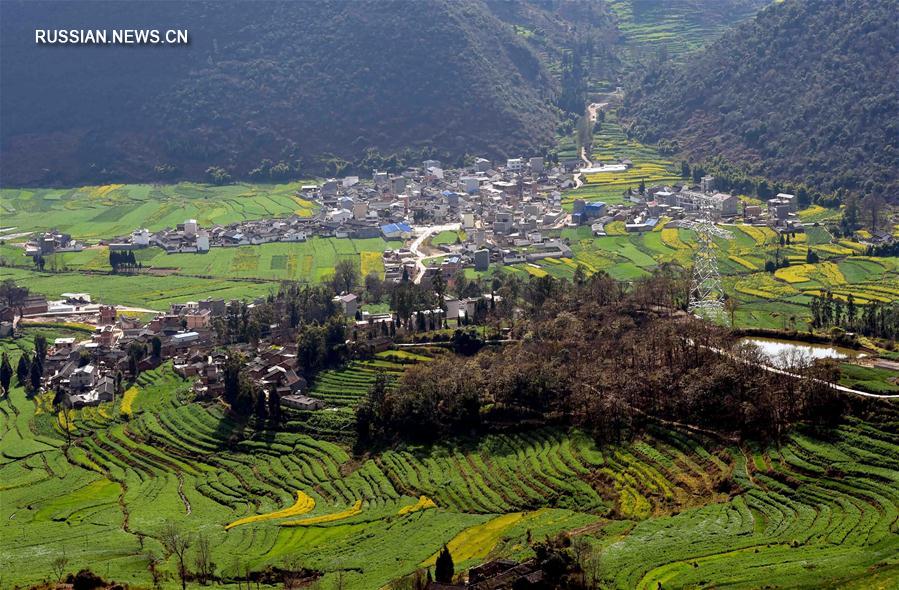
840 388
420 256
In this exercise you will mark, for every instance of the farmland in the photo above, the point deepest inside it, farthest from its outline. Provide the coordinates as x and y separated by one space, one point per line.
96 212
610 144
152 292
675 28
764 300
656 507
237 272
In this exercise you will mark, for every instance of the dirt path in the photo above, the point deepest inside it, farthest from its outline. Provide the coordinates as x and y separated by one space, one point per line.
181 492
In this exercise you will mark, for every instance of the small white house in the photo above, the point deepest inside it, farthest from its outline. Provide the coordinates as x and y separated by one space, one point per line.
140 237
203 241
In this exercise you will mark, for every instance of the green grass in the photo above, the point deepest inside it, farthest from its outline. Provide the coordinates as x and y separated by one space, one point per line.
93 213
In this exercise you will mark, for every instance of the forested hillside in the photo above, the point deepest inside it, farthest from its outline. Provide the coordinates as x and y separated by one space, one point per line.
807 91
295 81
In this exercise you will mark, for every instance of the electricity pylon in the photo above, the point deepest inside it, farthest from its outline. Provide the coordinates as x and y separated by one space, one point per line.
706 293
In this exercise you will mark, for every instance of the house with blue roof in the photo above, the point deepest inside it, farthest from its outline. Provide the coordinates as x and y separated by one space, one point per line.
396 231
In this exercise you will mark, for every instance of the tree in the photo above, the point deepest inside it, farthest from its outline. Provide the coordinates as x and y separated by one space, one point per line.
153 563
35 375
291 573
872 205
231 378
439 285
849 221
136 352
176 543
218 175
346 277
40 348
203 559
274 407
444 568
156 347
11 294
5 373
23 369
261 409
59 564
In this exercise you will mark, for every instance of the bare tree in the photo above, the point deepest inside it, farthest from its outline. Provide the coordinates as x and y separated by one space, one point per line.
203 559
153 563
176 543
60 563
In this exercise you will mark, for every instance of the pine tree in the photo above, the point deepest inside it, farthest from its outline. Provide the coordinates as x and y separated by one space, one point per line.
444 568
23 368
5 373
35 376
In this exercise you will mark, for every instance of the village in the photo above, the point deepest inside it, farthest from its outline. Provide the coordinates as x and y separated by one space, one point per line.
504 214
195 337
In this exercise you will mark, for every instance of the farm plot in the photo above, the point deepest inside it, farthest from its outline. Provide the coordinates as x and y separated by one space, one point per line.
108 211
610 144
144 290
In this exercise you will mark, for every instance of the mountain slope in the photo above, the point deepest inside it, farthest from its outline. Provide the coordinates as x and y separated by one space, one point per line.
807 90
285 81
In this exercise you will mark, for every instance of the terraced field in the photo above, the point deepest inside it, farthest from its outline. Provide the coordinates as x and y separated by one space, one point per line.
676 27
670 507
112 210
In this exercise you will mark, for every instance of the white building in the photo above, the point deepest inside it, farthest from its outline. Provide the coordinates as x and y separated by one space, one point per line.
203 241
190 228
470 184
140 237
340 215
515 164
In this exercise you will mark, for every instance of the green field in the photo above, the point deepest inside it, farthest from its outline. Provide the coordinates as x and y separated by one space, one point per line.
230 273
806 513
152 292
98 212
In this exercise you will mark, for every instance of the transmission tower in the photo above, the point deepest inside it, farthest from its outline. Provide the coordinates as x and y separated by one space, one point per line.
706 293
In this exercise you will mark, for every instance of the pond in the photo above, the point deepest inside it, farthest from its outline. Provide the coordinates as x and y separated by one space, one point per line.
781 352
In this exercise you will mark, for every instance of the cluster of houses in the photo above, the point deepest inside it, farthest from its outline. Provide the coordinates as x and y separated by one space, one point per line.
51 242
272 368
503 208
497 574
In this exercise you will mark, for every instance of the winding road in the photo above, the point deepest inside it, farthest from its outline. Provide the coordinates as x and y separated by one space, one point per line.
415 246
